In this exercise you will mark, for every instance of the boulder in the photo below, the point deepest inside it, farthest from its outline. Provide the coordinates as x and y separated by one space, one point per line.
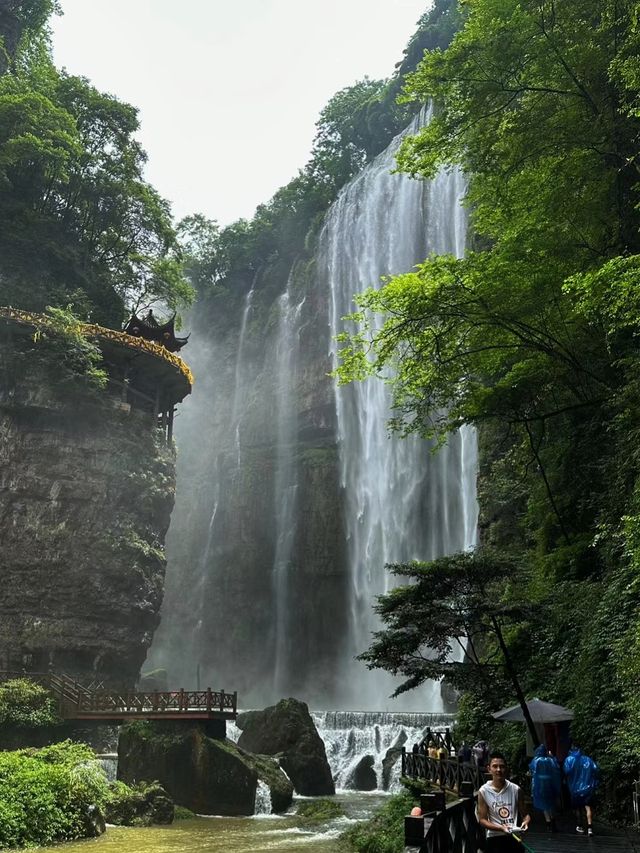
286 730
363 777
144 805
202 774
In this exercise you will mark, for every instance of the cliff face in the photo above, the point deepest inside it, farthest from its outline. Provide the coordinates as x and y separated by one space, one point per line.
259 520
86 491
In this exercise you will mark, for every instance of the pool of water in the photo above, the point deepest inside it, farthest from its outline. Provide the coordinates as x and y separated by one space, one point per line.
285 833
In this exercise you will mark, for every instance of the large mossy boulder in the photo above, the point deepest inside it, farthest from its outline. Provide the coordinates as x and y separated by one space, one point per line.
202 774
286 730
144 805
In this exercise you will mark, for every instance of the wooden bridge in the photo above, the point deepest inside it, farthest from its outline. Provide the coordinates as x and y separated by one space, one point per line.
78 702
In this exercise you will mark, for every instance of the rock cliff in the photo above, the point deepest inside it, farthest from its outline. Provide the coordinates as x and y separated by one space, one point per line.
86 492
257 437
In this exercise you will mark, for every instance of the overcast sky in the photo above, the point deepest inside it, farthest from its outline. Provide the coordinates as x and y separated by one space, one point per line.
229 90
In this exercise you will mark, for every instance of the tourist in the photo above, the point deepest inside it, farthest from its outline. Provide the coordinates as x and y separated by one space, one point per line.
464 754
432 749
582 773
480 753
500 802
442 752
545 784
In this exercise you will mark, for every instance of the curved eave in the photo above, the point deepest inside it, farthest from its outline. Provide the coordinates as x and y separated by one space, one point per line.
121 350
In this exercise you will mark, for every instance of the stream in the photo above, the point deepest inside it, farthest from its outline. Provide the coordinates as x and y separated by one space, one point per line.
237 835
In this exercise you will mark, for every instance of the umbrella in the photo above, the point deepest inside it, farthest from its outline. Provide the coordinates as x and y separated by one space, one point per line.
541 712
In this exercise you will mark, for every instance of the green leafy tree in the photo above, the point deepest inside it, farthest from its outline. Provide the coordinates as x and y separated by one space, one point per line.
79 222
449 620
532 336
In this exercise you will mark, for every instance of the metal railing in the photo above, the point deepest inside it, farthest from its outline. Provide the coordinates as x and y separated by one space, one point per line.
444 827
448 773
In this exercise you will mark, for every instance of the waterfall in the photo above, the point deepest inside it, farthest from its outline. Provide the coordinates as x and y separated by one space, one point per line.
286 479
400 501
291 496
263 799
108 761
351 737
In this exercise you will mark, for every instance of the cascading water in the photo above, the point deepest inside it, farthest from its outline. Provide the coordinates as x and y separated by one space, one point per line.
401 503
353 737
286 481
263 799
278 540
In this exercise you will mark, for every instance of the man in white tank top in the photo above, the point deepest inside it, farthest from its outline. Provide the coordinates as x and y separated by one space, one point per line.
500 802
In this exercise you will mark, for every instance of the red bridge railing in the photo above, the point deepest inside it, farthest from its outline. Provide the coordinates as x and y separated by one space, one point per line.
77 701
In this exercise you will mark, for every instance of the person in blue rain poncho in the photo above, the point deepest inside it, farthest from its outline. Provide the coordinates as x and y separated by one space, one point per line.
545 784
582 774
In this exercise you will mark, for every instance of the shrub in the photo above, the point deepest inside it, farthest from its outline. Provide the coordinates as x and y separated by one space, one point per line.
141 805
182 813
26 704
46 795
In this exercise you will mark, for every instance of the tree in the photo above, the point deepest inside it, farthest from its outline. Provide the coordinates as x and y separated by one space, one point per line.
450 622
79 224
532 337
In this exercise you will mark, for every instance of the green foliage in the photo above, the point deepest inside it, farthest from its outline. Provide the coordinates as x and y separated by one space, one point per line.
45 794
357 123
182 813
453 604
63 343
78 221
385 832
26 704
532 337
319 811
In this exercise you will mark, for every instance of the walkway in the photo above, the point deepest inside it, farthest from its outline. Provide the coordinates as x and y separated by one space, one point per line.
77 702
606 839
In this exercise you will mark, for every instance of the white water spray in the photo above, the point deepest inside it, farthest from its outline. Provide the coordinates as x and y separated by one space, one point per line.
401 502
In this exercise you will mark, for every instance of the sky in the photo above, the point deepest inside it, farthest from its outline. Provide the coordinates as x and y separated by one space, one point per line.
229 91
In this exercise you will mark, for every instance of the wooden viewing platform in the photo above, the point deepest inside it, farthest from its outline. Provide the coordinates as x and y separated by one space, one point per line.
77 702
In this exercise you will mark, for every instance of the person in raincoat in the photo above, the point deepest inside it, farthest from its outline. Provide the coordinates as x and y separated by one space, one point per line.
582 774
545 784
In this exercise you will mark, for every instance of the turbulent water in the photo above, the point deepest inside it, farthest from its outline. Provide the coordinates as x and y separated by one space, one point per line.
291 495
401 503
287 833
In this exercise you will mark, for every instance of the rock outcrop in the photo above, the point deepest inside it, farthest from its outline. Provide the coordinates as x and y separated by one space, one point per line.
391 758
287 730
202 774
363 777
86 492
146 805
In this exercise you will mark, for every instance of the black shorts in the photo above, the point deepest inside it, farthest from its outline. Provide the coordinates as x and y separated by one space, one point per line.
503 844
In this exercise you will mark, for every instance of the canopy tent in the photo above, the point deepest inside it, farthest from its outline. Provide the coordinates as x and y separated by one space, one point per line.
541 712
